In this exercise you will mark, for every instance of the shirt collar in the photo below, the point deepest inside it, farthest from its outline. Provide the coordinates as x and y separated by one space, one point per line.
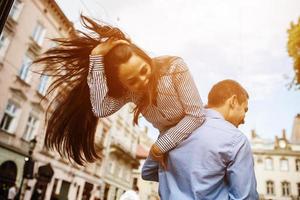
211 113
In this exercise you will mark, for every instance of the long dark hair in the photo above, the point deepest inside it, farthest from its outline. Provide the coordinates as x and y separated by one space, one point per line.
70 122
112 61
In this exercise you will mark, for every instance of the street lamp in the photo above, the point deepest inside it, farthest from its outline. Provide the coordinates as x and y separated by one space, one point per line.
32 144
28 166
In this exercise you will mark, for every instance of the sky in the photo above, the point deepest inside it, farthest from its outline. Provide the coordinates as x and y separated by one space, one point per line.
233 39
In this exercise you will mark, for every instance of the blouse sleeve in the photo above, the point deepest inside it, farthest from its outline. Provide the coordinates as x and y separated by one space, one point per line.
193 108
102 104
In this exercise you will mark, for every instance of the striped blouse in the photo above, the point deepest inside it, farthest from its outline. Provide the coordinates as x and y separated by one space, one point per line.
177 113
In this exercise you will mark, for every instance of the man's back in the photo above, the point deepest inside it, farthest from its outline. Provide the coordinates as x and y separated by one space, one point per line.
214 163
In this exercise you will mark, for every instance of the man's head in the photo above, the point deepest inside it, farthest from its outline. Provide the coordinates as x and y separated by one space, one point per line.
230 99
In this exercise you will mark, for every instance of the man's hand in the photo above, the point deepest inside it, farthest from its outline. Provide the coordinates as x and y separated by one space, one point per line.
104 47
158 156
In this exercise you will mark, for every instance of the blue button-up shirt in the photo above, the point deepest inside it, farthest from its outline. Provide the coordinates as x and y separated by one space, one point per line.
214 163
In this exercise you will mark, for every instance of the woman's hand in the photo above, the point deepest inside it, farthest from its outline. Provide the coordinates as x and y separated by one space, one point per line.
104 47
158 156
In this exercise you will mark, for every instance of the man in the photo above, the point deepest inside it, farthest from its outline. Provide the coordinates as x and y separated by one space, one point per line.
215 162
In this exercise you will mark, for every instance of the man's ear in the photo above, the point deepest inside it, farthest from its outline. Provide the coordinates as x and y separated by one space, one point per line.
233 101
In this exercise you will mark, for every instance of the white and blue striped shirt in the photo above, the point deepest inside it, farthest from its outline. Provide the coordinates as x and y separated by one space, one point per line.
179 109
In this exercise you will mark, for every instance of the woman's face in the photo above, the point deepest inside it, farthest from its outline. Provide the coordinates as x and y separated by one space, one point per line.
135 74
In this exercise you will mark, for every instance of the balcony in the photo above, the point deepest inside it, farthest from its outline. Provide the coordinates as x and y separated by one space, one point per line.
118 145
123 151
34 47
14 143
10 25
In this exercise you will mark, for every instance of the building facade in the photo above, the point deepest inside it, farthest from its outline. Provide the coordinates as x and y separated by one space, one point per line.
23 38
148 190
277 167
120 141
29 24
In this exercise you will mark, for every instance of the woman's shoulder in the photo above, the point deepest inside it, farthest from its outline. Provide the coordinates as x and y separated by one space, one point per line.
166 59
170 64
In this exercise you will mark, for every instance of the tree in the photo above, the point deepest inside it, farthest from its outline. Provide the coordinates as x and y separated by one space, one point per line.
293 46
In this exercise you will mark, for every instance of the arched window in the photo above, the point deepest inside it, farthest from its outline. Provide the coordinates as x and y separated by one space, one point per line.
112 165
270 187
285 186
16 10
10 117
25 74
269 164
284 164
5 40
297 165
8 172
42 87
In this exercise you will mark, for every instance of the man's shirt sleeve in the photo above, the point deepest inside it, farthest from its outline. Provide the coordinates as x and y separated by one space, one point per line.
240 171
150 170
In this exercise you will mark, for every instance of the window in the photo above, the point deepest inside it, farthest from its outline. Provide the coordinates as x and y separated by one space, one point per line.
270 187
297 165
269 164
103 135
284 165
31 126
77 192
298 189
117 168
125 173
54 188
42 88
25 74
10 117
39 33
111 166
285 188
4 42
121 171
135 182
128 176
16 10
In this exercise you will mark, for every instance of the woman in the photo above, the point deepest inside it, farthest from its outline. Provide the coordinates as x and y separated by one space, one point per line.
117 72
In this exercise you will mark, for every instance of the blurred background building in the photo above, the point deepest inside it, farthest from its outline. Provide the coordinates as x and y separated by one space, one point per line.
22 39
26 34
277 165
147 189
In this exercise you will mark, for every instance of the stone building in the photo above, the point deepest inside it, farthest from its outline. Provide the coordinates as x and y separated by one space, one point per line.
25 35
148 190
277 166
120 153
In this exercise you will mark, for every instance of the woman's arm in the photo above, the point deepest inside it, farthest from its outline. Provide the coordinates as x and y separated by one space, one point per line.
102 104
193 108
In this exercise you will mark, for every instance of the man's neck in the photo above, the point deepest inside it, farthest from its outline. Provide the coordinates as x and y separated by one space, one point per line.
220 110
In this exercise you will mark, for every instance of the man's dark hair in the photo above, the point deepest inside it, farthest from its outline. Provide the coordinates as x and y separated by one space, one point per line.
225 89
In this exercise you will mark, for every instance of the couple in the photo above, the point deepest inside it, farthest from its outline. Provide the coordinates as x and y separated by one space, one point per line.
104 71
